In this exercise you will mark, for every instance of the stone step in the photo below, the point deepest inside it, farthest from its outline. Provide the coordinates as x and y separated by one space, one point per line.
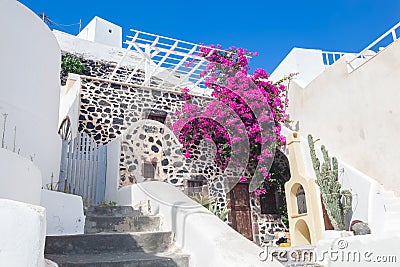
99 224
148 242
135 259
111 211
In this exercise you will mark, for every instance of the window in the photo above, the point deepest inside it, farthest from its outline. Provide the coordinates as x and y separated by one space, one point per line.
268 203
194 187
149 170
156 115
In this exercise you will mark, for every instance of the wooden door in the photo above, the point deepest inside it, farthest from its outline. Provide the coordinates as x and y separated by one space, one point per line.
240 210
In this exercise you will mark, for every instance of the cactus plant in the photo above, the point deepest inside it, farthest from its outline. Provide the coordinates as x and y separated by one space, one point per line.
337 202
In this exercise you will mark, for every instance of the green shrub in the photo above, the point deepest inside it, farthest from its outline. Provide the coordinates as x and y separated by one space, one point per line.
210 204
72 65
108 203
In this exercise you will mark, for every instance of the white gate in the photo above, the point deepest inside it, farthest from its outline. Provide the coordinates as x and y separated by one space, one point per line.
83 169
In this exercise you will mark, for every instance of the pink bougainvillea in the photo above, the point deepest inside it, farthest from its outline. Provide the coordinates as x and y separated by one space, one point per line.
246 106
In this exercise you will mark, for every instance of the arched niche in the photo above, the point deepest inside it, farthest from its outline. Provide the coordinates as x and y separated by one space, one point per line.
298 199
302 233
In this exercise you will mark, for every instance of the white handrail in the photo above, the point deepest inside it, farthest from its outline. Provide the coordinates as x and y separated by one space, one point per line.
391 31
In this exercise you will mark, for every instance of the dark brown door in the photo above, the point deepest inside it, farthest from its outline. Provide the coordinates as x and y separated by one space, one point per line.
240 210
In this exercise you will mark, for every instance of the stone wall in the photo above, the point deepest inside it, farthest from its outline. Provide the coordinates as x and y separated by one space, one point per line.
150 141
111 109
107 109
102 69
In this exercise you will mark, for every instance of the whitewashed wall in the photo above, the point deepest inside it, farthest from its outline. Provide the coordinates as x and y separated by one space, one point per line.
64 213
69 102
20 179
112 175
29 93
22 232
307 62
356 114
102 31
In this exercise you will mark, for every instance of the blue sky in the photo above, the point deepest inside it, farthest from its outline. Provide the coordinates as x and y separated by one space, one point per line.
271 28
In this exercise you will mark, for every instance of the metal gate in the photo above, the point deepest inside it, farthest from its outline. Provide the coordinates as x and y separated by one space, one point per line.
83 169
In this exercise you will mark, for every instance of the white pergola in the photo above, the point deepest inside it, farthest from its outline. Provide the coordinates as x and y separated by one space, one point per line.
161 62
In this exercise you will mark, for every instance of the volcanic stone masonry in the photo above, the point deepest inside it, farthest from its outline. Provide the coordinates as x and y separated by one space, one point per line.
110 109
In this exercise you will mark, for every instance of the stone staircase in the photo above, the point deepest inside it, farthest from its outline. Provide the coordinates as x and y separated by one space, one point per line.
117 236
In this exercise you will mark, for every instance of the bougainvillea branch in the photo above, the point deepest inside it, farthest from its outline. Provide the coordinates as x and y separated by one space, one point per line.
246 107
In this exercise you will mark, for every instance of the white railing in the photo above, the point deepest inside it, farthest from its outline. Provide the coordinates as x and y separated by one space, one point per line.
161 62
331 57
375 47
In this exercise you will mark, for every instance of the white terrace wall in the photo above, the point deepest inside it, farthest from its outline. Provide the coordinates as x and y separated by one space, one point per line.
356 115
307 62
22 231
17 174
101 31
64 213
69 102
90 49
30 87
